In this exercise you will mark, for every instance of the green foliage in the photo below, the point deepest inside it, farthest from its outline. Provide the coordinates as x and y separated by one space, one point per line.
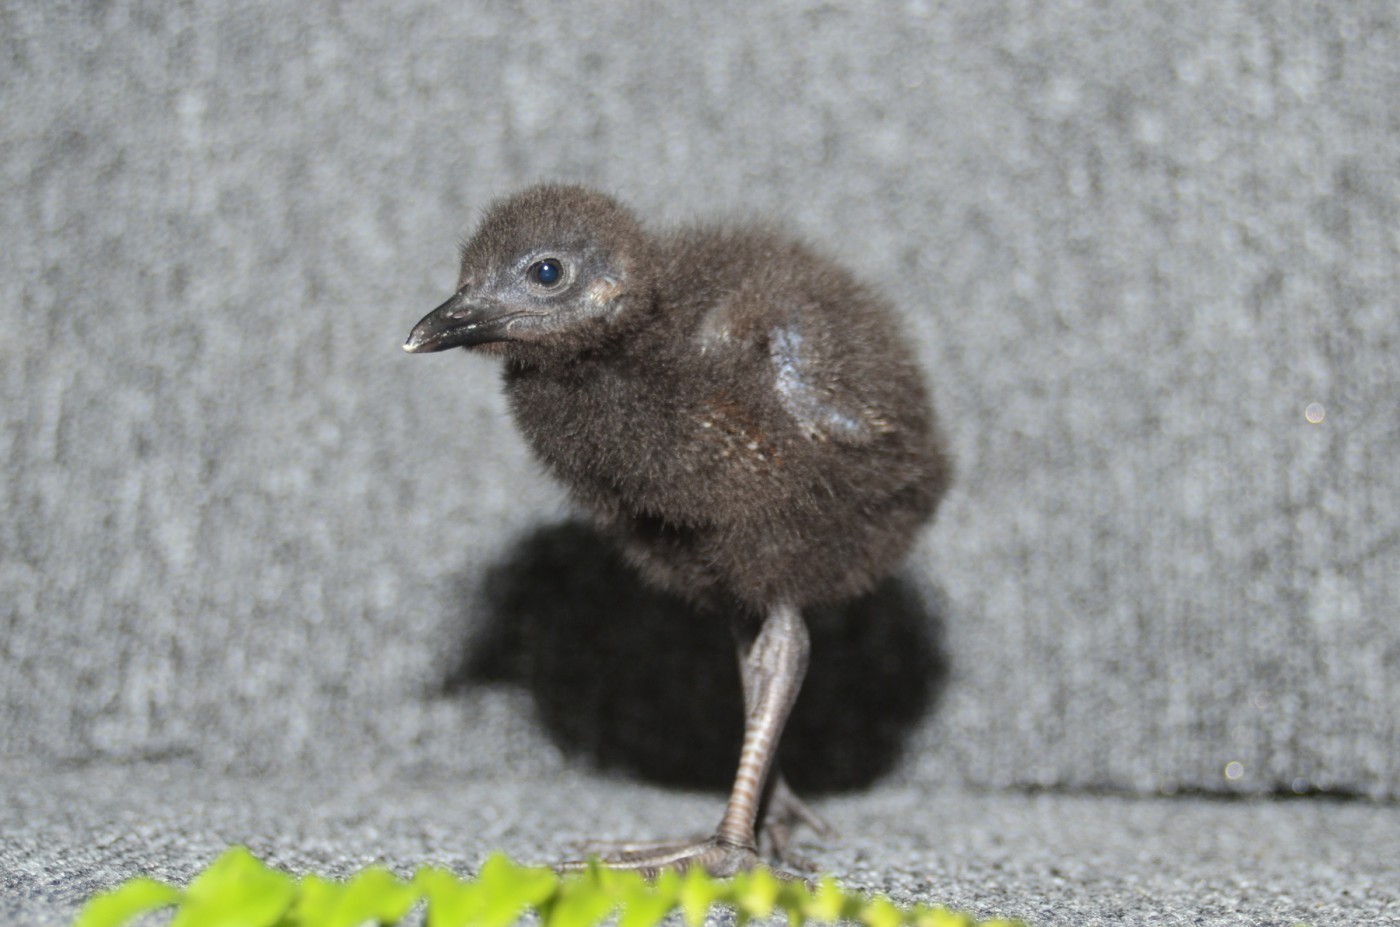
237 890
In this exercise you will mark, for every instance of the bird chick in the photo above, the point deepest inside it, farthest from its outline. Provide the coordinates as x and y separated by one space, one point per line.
737 412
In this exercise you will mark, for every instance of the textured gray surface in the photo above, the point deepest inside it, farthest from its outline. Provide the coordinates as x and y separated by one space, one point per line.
1050 859
1134 242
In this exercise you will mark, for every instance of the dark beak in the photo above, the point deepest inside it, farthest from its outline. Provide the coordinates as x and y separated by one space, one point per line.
460 322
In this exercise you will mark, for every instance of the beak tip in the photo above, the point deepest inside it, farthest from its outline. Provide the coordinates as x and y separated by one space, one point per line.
419 342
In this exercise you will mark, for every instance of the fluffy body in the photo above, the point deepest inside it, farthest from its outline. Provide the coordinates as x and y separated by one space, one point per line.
750 426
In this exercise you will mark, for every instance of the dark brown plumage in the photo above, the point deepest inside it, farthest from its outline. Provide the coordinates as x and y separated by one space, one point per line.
737 411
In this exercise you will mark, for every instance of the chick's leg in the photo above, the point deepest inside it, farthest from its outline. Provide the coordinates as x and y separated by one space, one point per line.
773 661
772 665
780 810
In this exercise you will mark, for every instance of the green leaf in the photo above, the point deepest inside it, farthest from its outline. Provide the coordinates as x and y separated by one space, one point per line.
697 891
923 916
643 903
755 893
507 889
235 891
375 894
880 913
795 899
451 902
315 902
827 903
126 902
579 902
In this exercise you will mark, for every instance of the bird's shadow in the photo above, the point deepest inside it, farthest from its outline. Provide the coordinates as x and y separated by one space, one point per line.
629 678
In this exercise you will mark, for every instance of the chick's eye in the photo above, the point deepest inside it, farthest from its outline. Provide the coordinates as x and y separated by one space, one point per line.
547 272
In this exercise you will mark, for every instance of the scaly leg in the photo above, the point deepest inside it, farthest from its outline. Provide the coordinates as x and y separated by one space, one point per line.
773 662
780 809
